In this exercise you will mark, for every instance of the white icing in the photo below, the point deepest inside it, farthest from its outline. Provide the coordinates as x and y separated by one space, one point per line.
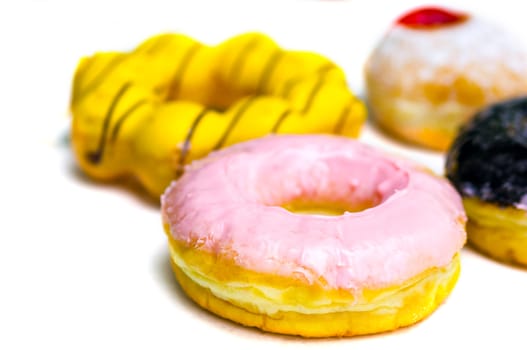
461 48
522 205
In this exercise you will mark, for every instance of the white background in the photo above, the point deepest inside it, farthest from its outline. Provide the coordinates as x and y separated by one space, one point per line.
84 265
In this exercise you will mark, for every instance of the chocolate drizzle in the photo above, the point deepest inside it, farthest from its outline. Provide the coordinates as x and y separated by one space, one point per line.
291 83
280 120
339 125
185 149
488 159
95 157
240 60
311 98
100 77
176 81
235 119
123 117
268 70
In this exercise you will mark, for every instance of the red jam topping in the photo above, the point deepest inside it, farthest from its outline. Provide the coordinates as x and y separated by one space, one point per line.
431 17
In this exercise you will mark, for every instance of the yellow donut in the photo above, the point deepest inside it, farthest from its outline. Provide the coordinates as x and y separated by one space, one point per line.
172 100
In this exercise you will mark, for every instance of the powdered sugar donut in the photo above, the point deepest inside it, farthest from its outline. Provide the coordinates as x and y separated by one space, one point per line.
244 247
435 68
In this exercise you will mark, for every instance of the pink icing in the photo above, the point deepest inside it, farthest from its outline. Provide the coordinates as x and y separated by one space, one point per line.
230 203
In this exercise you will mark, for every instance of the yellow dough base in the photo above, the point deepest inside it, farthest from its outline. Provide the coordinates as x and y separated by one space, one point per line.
429 112
341 313
419 121
498 232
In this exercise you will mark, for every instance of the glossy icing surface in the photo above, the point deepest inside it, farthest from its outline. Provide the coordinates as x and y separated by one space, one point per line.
231 204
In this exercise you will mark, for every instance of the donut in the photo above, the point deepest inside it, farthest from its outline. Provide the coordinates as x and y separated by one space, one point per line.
435 68
487 164
339 242
149 112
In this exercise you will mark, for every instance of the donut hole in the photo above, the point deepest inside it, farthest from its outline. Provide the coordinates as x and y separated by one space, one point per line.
325 208
332 185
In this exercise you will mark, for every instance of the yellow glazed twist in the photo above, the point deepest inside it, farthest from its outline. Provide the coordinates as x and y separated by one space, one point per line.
172 100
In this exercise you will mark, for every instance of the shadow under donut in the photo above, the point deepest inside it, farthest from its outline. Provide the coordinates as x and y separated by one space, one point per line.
168 280
509 263
125 185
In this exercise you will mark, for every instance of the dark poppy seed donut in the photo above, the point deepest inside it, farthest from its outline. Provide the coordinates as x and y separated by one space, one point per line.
487 163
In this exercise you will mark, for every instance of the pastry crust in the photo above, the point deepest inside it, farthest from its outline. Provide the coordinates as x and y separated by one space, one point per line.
399 306
496 231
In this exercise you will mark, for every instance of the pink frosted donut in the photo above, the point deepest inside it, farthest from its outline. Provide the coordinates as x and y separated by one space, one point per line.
241 248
